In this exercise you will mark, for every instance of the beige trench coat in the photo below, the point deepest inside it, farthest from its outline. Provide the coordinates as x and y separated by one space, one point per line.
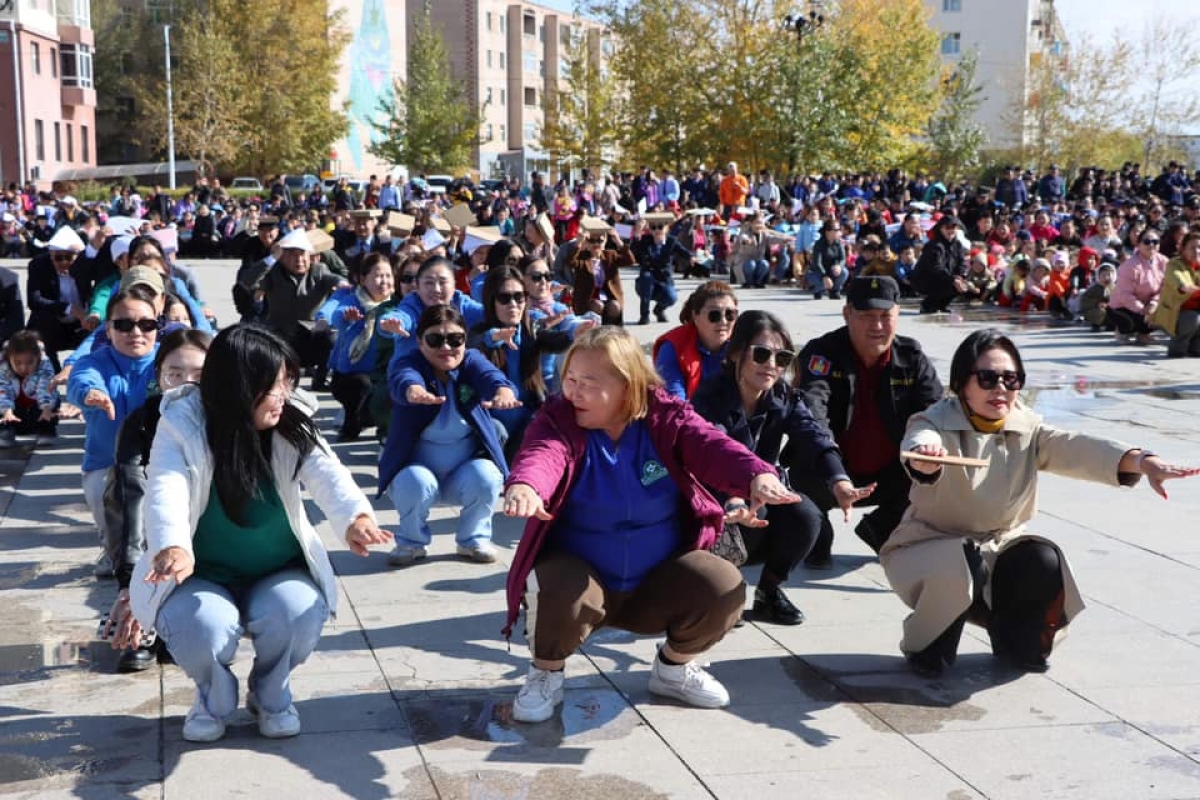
923 558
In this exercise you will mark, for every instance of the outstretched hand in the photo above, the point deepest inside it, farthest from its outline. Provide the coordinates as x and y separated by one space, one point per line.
362 533
767 490
1158 471
420 396
522 501
847 494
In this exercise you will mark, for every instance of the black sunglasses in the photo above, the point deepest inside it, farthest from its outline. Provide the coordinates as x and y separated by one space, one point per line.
715 315
761 355
510 298
408 277
63 257
989 378
539 277
437 341
657 227
1151 242
127 325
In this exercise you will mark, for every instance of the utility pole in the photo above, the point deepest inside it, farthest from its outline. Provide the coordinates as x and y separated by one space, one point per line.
170 111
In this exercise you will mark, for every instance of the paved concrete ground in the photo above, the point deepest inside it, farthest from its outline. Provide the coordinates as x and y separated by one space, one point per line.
409 694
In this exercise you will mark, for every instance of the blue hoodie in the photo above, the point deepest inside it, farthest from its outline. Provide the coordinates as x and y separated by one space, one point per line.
126 381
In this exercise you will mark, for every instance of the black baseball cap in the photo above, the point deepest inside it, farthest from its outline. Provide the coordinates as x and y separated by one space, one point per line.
873 293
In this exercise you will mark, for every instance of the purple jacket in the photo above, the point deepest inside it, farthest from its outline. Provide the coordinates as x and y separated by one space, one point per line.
694 452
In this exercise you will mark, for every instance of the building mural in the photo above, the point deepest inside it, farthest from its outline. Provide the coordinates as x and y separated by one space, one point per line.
370 60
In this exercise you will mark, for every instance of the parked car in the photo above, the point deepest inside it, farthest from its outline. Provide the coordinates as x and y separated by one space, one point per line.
246 183
301 183
438 184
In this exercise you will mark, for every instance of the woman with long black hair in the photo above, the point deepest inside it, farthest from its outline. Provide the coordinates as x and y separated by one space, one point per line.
244 559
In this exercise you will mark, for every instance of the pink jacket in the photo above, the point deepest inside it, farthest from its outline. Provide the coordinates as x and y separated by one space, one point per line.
1138 284
694 452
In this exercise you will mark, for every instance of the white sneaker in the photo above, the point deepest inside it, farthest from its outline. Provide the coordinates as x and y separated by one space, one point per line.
104 567
282 725
404 554
689 683
480 552
543 690
201 726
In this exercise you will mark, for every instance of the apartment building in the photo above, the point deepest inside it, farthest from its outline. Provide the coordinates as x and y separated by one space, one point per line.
510 55
1010 37
47 96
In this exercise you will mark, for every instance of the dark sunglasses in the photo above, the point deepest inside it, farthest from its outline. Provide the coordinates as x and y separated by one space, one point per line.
1151 242
715 315
989 378
127 325
408 277
63 257
539 277
761 355
437 341
510 298
657 227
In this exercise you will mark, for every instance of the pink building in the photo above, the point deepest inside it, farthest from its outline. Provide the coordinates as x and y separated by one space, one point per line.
47 94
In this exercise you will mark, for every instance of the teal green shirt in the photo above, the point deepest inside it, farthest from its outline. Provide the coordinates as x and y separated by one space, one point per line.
228 553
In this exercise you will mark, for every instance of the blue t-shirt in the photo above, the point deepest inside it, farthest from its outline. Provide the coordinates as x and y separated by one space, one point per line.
622 514
449 441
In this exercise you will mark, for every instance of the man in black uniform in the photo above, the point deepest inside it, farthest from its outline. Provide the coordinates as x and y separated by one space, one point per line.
253 249
656 254
940 273
353 250
863 382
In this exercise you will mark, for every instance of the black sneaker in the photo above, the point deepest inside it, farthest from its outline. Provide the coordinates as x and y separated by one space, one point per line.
773 605
136 659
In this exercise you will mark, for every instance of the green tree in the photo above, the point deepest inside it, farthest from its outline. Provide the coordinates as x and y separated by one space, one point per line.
1164 101
955 138
429 125
582 125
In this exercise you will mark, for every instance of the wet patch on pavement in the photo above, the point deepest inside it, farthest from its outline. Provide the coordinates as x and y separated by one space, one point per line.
546 784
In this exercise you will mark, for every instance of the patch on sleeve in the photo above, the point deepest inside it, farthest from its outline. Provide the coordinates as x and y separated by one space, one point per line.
819 365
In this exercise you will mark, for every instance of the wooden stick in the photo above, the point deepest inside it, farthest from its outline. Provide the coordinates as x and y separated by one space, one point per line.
961 461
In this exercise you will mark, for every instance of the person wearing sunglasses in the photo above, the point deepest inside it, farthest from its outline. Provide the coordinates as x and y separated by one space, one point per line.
1135 297
56 301
1178 311
443 442
695 350
508 338
107 384
613 477
963 552
862 382
751 402
657 254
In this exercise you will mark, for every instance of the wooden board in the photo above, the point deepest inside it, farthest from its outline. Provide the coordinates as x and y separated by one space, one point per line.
960 461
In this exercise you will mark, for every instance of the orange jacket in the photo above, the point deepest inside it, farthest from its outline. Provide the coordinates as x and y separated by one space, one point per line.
734 190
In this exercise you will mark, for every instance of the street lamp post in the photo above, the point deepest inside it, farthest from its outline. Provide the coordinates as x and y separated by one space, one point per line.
170 110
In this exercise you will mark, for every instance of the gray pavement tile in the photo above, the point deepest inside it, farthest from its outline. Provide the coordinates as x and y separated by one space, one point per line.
553 783
1110 761
861 783
1136 658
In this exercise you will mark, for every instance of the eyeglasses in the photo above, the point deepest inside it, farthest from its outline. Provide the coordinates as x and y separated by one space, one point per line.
989 378
408 277
146 325
282 390
761 355
510 298
715 315
1151 242
436 341
62 257
657 227
539 277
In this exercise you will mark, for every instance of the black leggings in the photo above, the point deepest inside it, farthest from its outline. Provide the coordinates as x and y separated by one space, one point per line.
780 546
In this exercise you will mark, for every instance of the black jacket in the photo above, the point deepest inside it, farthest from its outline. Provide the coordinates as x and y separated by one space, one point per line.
940 261
44 294
12 308
828 369
661 260
780 413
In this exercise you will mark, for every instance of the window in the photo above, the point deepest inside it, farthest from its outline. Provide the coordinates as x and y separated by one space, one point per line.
489 59
53 63
489 95
503 60
57 141
488 136
951 44
541 33
35 55
531 61
530 96
564 68
77 65
489 20
502 23
951 5
530 131
530 25
85 146
39 140
503 95
70 142
504 134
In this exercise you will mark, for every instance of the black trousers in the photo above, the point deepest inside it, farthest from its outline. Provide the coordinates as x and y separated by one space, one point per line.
939 291
353 392
313 348
791 532
57 334
890 499
1127 322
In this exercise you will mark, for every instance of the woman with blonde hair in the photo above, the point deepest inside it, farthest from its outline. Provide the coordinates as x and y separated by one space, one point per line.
613 475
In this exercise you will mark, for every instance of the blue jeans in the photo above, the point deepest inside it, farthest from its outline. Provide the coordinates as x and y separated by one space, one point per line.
816 281
202 622
755 271
649 289
474 484
783 267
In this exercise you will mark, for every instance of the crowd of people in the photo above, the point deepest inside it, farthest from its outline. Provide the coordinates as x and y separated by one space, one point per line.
481 336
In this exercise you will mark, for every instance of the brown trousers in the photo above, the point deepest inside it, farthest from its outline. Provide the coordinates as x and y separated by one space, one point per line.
694 597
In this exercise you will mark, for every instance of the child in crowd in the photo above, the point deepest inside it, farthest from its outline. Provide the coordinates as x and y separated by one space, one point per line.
981 284
1058 286
906 260
1037 287
1081 278
28 400
1013 288
1093 303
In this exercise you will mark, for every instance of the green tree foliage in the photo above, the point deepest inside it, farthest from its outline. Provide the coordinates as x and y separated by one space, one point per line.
429 125
955 138
582 125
